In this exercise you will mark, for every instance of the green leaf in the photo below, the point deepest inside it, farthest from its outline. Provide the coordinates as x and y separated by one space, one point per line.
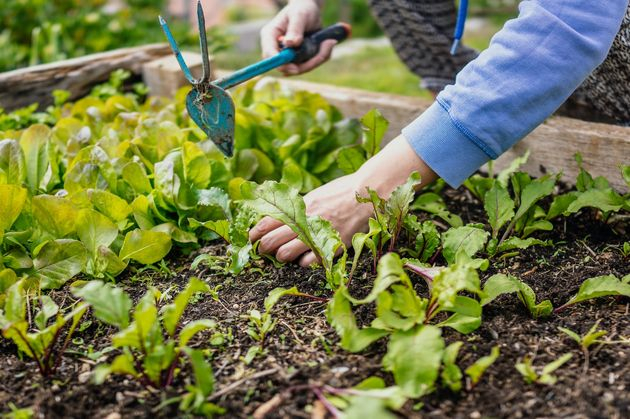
274 296
194 327
476 370
359 240
600 286
546 377
350 159
172 313
452 280
55 214
48 309
499 207
196 166
116 208
467 317
451 373
134 174
95 230
220 227
517 243
560 204
605 200
15 303
341 317
284 204
13 198
110 304
514 165
35 143
204 377
506 284
434 204
414 357
374 129
58 261
469 239
12 163
533 192
146 247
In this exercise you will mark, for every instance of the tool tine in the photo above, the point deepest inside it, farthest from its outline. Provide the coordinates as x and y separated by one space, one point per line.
176 51
203 40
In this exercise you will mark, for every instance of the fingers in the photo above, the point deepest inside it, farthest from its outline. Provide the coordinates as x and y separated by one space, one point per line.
272 241
325 51
269 37
291 251
308 259
263 227
295 30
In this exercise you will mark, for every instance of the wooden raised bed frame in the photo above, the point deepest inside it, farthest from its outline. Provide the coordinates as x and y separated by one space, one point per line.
552 145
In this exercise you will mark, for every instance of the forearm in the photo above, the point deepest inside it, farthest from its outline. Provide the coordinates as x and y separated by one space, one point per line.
380 174
531 67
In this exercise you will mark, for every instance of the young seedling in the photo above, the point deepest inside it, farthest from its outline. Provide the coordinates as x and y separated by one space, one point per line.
38 327
585 342
152 341
388 220
529 374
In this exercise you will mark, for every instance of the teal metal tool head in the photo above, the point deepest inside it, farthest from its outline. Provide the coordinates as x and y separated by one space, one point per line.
210 105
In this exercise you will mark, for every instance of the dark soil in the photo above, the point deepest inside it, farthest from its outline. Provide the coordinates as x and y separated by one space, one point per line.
302 349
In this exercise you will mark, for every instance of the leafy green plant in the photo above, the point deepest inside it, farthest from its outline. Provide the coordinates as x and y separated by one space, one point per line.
586 341
591 192
530 375
113 180
37 325
387 222
599 286
283 203
153 341
451 373
499 284
479 367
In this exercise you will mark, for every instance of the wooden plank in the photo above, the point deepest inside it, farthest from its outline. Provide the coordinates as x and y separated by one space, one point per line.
552 145
23 87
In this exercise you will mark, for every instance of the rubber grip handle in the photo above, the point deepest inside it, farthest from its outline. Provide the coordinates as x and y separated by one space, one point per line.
312 42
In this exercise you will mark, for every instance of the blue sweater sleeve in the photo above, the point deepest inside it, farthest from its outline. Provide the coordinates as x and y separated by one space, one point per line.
530 68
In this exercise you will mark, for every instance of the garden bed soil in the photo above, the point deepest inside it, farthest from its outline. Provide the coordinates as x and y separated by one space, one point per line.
303 347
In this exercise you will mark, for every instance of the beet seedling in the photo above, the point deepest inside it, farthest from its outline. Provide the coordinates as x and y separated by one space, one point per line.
529 374
586 341
152 341
38 327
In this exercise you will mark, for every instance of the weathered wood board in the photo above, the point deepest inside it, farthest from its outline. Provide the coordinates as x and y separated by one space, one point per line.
23 87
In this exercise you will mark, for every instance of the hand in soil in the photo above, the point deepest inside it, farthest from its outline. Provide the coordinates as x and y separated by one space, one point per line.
336 202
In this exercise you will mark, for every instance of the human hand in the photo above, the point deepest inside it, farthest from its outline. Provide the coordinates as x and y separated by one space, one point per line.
336 202
297 18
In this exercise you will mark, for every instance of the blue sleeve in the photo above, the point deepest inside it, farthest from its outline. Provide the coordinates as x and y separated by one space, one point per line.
530 68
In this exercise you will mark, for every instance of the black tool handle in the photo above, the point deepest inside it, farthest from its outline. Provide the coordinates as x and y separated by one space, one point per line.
312 42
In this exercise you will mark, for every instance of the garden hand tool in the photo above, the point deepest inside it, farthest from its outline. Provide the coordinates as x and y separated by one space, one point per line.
209 104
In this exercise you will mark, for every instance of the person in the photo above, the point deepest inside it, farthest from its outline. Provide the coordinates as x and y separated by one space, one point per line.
571 52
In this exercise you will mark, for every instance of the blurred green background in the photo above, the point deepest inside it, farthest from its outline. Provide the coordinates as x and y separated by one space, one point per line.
42 31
